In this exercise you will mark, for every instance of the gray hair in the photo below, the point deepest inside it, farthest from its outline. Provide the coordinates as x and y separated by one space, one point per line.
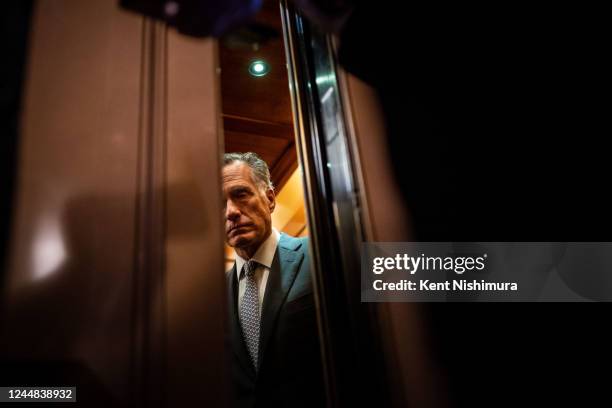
259 168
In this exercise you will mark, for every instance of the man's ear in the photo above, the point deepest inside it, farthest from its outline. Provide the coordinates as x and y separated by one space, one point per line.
271 199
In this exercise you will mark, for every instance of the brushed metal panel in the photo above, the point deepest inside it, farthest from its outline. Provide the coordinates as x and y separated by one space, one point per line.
115 282
197 368
68 284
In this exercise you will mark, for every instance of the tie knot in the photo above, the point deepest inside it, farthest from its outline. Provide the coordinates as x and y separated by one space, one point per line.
249 268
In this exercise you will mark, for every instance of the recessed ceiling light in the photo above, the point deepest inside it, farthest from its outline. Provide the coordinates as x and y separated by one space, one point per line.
259 68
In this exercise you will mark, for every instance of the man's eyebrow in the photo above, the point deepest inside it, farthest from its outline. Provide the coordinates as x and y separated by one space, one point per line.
239 189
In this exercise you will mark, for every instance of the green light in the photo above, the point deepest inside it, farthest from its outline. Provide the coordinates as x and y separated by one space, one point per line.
325 79
259 68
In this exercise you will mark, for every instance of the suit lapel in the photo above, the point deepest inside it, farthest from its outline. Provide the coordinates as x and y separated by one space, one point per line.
238 345
282 275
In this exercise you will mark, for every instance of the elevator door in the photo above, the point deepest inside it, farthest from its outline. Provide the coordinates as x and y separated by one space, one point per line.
115 280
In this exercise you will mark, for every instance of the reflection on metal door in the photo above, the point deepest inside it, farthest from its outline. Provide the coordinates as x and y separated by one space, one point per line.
115 282
335 219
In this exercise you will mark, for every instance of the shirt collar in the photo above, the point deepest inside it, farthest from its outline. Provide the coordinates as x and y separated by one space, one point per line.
264 254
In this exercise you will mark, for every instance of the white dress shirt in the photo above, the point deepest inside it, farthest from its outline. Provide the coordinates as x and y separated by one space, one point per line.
263 256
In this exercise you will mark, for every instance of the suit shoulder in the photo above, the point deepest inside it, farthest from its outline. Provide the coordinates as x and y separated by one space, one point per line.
293 243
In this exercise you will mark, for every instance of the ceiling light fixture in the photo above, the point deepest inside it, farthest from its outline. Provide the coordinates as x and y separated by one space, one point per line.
259 68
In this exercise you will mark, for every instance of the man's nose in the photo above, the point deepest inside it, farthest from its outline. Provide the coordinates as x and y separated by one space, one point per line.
232 212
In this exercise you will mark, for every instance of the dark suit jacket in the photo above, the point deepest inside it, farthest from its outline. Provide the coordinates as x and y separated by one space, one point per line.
290 372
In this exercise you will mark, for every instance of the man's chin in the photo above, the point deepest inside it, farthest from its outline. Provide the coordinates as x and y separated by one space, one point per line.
241 240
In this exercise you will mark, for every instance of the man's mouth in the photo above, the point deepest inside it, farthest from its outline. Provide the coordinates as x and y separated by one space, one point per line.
236 227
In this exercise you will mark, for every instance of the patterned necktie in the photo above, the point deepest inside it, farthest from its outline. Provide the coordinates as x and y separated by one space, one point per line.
249 312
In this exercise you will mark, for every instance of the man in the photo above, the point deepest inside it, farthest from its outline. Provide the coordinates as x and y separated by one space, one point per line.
276 360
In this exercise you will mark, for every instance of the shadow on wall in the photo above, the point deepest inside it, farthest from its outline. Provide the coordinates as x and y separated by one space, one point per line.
76 324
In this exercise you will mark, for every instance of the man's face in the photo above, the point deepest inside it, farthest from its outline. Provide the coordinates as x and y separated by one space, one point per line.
248 209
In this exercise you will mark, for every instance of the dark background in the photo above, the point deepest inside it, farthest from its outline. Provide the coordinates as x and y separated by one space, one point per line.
498 116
